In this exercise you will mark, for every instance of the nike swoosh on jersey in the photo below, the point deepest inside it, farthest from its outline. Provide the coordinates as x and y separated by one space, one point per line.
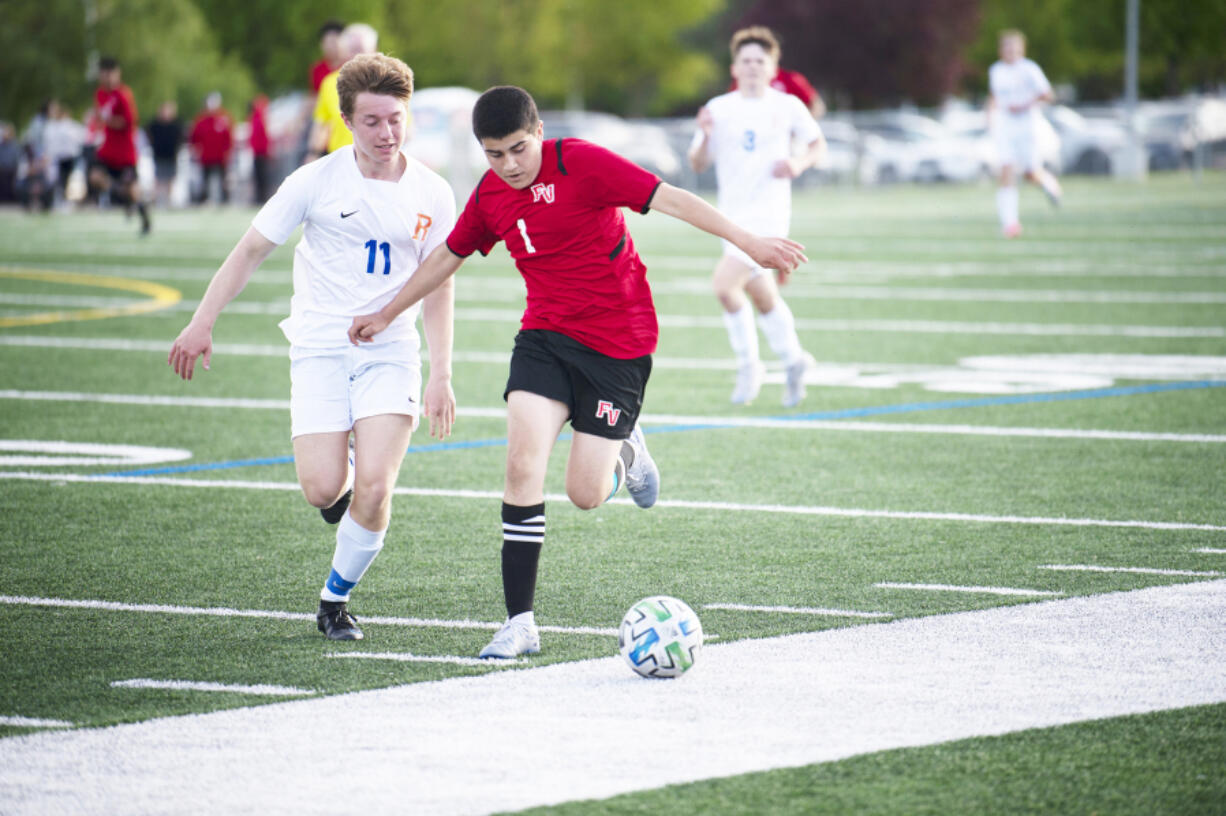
347 214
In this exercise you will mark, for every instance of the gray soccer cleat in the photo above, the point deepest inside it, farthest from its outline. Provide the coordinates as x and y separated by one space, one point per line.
642 477
513 639
748 383
794 387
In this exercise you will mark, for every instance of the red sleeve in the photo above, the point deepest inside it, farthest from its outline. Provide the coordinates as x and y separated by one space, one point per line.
609 179
470 233
126 107
798 86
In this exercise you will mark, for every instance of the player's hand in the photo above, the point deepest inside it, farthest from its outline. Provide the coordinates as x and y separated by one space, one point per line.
439 405
191 343
786 168
364 328
780 254
705 120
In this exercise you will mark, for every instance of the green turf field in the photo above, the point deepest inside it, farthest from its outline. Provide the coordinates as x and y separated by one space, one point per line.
1025 419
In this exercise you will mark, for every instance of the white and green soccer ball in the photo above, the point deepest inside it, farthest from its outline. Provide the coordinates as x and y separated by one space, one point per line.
660 637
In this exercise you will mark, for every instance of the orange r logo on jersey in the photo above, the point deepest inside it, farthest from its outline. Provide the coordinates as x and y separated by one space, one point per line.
423 224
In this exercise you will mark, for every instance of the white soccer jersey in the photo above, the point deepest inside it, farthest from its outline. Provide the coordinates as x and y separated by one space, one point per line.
362 241
748 137
1016 83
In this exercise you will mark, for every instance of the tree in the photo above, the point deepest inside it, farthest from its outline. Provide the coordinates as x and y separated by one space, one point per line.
873 52
164 46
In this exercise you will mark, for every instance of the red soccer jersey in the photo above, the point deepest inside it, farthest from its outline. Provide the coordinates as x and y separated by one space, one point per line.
568 237
212 137
318 71
118 148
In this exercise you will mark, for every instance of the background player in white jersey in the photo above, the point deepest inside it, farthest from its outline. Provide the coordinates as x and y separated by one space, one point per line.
1017 87
372 215
748 133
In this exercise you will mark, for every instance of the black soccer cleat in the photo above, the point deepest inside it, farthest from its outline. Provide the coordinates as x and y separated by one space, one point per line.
336 512
336 623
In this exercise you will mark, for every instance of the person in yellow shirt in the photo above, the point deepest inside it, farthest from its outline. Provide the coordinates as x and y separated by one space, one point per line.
328 130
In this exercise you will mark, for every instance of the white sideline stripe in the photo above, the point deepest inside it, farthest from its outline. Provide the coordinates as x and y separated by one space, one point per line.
656 419
844 512
1135 570
579 731
406 657
977 590
35 722
798 610
1210 550
226 612
193 685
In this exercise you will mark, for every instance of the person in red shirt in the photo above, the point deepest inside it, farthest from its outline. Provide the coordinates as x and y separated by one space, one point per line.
261 147
211 139
330 49
114 170
583 353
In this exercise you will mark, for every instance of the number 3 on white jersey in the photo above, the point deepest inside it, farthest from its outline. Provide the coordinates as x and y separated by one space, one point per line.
523 230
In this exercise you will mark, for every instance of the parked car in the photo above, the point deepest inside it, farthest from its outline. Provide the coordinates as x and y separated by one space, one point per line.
644 143
1088 144
442 136
1174 130
852 156
915 147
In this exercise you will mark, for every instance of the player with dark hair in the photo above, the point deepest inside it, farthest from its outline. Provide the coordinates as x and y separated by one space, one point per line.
371 214
115 113
583 353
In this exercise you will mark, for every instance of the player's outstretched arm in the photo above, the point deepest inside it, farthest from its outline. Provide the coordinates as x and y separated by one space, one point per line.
781 254
196 339
438 320
441 264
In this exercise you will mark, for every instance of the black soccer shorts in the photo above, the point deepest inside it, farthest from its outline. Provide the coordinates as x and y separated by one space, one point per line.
604 394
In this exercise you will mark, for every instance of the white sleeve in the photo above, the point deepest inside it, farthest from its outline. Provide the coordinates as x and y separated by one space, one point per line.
444 218
1039 79
804 126
288 207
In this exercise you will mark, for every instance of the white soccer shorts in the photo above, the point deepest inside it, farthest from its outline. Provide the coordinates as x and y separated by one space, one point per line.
331 389
1017 147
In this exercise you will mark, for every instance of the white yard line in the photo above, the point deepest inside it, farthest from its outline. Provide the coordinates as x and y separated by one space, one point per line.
579 731
798 610
653 420
406 657
1210 550
731 507
973 590
1134 570
230 688
35 722
226 612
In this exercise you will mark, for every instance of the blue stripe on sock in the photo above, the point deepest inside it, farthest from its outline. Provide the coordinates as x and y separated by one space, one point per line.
338 585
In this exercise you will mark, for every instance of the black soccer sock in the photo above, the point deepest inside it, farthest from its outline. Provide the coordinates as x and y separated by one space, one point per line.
523 534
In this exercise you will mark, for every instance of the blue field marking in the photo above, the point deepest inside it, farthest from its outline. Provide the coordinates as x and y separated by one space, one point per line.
846 413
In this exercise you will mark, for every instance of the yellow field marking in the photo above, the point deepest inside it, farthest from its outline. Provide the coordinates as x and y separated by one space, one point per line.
160 297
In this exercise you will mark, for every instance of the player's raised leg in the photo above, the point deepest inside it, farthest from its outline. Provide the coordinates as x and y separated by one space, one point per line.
728 281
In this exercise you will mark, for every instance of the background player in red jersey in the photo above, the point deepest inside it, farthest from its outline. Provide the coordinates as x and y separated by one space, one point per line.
583 353
115 112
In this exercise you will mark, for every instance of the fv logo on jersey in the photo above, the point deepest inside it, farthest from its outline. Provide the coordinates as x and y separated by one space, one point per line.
544 191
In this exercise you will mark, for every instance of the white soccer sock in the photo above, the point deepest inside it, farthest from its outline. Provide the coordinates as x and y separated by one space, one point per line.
1006 205
780 329
356 548
743 335
528 618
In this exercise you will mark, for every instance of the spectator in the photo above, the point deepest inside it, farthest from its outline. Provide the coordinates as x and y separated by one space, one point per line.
34 187
10 157
261 148
328 131
63 139
331 59
211 140
165 133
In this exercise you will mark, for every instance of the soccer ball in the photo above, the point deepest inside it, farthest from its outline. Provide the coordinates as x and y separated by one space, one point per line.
660 637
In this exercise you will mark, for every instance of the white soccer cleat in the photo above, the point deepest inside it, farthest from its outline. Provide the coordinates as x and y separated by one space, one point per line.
642 477
513 639
794 386
748 383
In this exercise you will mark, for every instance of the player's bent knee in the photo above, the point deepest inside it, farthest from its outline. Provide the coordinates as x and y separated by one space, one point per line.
321 494
586 499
